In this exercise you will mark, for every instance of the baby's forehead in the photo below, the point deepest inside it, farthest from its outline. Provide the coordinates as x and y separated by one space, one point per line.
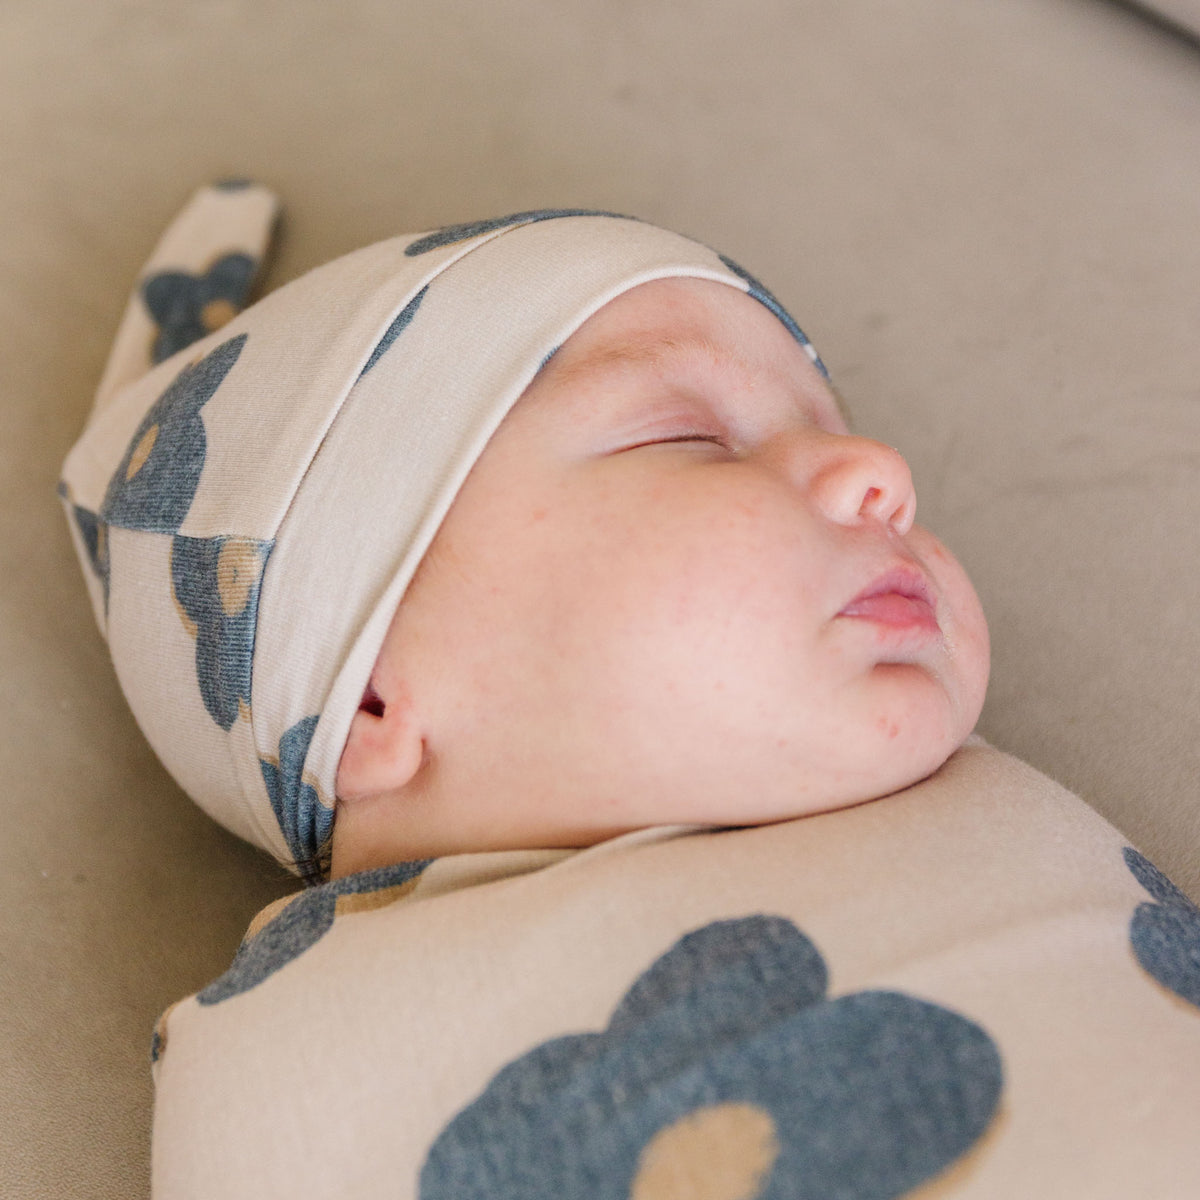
695 328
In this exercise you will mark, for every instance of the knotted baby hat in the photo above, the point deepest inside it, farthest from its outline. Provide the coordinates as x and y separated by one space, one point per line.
256 486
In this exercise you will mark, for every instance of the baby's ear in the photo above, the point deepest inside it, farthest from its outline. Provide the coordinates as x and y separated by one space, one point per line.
384 748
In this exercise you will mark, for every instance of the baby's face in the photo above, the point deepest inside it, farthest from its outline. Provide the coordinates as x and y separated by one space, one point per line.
651 603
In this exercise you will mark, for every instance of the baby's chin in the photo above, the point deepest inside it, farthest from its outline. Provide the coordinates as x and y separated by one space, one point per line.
920 767
795 795
890 765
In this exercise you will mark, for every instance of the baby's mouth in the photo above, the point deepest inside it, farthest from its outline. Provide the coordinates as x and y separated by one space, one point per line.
900 598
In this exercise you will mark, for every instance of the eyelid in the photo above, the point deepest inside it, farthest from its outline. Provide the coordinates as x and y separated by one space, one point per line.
667 439
703 424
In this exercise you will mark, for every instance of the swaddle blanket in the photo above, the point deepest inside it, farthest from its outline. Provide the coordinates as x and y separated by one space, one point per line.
974 988
254 490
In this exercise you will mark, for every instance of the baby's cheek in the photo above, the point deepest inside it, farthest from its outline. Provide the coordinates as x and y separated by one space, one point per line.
961 616
931 551
954 587
975 652
970 649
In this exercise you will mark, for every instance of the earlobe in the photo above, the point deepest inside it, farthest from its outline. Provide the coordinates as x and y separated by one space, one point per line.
384 748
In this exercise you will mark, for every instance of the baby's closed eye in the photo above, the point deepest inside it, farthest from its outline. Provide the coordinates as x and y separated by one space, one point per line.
713 438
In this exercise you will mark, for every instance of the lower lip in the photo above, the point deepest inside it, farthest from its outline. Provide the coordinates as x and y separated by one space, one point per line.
894 611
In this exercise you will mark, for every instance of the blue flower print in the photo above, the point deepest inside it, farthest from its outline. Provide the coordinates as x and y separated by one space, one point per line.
305 821
766 298
216 583
158 1039
94 534
395 329
450 234
304 920
1166 936
154 484
726 1063
188 307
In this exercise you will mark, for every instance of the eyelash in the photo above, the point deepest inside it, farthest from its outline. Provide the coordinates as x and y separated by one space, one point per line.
684 437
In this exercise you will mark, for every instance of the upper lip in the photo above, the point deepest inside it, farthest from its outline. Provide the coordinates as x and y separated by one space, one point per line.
901 580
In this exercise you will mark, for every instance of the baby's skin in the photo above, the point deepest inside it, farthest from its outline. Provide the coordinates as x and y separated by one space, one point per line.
674 589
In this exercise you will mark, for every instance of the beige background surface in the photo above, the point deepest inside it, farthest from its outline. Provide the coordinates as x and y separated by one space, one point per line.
986 215
1185 14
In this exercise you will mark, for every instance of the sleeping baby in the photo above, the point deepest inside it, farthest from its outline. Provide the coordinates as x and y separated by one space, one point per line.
521 586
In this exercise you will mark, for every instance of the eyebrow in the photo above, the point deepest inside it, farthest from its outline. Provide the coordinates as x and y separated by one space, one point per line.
661 352
643 352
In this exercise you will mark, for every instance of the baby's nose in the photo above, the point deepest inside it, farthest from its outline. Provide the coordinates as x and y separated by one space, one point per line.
855 479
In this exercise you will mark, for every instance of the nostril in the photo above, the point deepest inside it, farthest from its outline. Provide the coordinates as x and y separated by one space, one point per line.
880 504
885 505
